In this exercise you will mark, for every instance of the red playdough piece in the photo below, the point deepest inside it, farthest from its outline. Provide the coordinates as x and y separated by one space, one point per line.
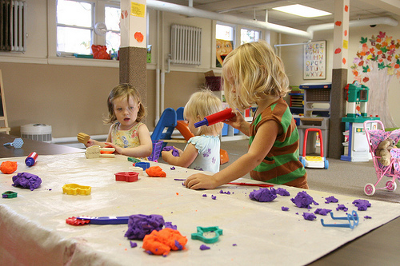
107 152
8 167
161 242
73 221
155 171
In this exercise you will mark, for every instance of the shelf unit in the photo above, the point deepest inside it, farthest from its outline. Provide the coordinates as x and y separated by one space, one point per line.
317 99
3 113
296 103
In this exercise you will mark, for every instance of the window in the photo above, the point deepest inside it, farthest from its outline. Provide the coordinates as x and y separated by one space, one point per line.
76 22
249 36
74 26
113 36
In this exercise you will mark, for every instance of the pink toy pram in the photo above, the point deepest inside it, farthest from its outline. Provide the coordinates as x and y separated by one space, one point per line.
374 137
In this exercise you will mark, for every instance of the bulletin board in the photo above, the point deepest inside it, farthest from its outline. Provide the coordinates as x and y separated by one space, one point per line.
315 60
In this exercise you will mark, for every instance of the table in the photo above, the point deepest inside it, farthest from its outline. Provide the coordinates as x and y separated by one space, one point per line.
34 231
41 148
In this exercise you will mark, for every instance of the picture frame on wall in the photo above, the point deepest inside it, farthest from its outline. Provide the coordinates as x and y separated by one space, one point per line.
315 60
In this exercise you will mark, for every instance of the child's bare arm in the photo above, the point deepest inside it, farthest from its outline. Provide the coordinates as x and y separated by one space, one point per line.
257 152
92 142
143 150
185 158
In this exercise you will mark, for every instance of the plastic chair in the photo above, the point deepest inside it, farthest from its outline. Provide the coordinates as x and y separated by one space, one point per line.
179 113
165 126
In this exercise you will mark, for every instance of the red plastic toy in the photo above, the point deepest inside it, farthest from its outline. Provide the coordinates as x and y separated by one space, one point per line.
215 118
126 176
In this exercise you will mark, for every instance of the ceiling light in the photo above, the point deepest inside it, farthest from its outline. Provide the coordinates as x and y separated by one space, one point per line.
303 11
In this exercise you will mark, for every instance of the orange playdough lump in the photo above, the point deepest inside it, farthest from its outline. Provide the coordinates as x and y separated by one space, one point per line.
8 167
155 171
161 242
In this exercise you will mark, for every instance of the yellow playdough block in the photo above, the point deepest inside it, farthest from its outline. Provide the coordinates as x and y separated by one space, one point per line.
75 189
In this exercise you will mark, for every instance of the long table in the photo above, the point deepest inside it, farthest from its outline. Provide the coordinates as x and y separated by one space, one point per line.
33 226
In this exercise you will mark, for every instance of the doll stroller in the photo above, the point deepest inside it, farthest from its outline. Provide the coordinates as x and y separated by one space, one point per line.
374 137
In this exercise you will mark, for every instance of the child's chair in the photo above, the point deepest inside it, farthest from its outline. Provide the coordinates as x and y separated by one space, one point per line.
374 137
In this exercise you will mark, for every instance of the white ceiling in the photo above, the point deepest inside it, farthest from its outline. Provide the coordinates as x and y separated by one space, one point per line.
257 9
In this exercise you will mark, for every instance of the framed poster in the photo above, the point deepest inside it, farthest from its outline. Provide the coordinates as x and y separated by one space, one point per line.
315 60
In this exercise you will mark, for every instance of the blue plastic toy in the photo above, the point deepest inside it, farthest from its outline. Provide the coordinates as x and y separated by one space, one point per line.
351 218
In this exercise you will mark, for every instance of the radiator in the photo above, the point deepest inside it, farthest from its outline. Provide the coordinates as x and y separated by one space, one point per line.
12 25
185 45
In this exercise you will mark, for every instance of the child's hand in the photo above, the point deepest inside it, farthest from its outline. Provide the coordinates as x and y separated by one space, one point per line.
118 149
200 181
235 121
89 143
167 155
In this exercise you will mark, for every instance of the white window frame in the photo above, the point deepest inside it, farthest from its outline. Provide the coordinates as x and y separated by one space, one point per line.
99 11
250 29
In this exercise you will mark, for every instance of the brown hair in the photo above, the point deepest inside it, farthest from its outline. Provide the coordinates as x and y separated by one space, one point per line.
125 91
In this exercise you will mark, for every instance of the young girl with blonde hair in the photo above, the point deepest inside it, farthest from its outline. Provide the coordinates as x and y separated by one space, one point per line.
202 151
254 75
127 134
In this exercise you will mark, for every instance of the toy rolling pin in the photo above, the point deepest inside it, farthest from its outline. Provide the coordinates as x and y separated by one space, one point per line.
215 118
83 138
95 152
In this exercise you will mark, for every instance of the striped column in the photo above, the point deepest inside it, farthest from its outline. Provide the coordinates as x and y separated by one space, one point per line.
133 50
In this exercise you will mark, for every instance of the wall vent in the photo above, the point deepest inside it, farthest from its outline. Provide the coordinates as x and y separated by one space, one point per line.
185 45
12 25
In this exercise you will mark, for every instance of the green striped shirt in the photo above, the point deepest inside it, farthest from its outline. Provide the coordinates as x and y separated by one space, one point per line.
281 165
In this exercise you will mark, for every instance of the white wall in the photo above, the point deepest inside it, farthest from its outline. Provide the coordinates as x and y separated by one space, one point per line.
292 57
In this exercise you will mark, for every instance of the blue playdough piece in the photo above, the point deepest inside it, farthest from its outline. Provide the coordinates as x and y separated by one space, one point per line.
143 165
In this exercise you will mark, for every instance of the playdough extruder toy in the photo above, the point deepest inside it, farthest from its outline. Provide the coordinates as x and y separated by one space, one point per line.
215 118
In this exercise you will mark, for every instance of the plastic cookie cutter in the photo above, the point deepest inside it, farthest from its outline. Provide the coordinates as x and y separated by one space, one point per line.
143 165
106 219
95 152
75 189
351 218
200 234
17 143
9 194
127 176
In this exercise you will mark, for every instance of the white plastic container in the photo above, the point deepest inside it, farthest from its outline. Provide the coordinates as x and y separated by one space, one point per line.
39 132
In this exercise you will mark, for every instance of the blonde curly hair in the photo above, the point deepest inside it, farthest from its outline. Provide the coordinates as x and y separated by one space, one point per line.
200 105
253 70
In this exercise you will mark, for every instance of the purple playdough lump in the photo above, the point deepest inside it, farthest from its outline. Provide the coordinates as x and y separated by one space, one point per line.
331 199
204 247
302 200
362 205
140 225
322 211
26 180
282 192
170 225
263 195
175 152
309 216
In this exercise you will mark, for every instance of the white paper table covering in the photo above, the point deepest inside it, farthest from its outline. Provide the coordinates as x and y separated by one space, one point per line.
33 226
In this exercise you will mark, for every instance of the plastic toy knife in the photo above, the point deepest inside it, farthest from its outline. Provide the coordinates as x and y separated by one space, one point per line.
106 219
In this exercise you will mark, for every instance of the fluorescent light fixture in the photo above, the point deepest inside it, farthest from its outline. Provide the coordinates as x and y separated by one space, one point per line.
303 11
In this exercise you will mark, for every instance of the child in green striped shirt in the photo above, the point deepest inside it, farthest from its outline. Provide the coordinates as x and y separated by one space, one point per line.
254 75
